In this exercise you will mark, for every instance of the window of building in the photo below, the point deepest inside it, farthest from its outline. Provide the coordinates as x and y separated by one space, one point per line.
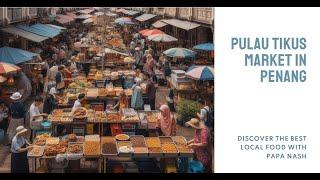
14 14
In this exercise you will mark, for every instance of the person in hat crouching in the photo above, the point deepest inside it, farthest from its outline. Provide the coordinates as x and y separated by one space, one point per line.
17 114
19 150
201 143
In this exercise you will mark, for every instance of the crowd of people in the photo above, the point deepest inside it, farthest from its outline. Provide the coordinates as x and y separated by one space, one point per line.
59 65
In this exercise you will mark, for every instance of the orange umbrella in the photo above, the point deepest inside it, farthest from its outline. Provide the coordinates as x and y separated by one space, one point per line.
8 68
148 32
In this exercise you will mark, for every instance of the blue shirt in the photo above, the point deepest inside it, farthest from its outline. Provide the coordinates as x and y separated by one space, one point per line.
17 143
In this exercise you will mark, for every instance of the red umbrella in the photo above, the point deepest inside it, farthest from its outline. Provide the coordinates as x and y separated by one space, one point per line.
8 68
148 32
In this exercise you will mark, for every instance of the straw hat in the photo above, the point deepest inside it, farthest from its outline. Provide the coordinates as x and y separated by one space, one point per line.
16 96
195 123
20 130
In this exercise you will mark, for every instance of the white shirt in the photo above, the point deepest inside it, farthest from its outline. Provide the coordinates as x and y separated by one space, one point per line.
76 105
34 110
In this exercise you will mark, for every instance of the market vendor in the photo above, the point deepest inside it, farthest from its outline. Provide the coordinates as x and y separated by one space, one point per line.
201 143
35 115
123 101
77 103
166 124
50 103
19 150
17 114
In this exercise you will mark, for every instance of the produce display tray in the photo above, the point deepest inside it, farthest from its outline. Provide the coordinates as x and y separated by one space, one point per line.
111 139
41 151
184 142
124 154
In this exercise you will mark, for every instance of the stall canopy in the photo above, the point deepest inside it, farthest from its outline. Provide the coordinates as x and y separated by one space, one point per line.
162 38
71 15
63 19
130 13
203 73
98 13
108 50
159 24
186 25
45 28
111 14
57 27
148 32
123 21
41 30
15 56
86 11
25 34
84 16
180 53
6 68
145 17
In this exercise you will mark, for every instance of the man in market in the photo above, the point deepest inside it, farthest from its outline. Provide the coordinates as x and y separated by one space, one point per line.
35 116
138 58
151 92
77 103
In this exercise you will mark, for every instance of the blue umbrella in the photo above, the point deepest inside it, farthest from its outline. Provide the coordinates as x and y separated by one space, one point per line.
204 47
15 56
180 52
123 21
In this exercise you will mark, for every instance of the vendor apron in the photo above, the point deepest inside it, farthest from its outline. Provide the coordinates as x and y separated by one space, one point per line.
14 123
19 162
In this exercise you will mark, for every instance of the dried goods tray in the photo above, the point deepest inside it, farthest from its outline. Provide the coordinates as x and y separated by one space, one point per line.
75 143
41 151
140 145
124 154
97 154
180 140
135 144
157 145
110 139
165 139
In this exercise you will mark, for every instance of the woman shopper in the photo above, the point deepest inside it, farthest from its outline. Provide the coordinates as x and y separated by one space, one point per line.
201 143
17 114
166 122
137 100
19 150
